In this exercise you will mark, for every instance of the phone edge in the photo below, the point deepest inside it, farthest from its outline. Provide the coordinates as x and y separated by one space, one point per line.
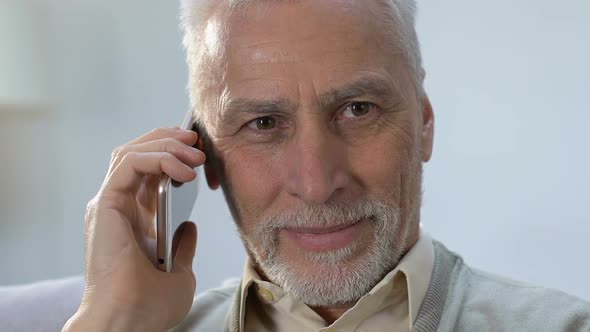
162 226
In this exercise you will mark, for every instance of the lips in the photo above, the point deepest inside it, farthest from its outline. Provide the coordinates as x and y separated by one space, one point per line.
321 230
326 238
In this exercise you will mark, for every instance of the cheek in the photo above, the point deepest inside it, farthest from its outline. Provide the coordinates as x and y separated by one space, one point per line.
254 181
383 165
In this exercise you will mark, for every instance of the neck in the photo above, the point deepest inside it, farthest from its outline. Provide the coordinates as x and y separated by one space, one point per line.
331 314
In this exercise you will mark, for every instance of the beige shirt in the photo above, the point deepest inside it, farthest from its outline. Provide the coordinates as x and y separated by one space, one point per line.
391 305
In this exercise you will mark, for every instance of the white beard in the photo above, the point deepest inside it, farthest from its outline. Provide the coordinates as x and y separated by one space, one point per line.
342 276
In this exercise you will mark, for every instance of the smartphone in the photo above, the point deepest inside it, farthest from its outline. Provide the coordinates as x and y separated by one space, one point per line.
176 202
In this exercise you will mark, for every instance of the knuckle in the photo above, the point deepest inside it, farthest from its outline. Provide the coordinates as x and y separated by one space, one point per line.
90 205
168 157
155 131
118 154
128 158
159 132
115 153
169 145
91 208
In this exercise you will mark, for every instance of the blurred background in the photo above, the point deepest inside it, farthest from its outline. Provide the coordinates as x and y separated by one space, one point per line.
507 186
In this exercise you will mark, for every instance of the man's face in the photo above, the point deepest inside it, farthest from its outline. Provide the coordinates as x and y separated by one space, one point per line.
320 136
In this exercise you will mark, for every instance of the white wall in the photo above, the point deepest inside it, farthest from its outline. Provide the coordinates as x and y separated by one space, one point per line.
507 187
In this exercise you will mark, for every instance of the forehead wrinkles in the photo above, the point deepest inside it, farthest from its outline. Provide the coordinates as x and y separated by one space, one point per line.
343 25
220 40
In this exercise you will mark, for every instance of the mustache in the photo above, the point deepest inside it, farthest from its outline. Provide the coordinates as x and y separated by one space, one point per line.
326 215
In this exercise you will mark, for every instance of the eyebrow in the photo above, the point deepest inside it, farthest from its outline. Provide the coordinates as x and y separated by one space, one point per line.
367 86
237 107
257 106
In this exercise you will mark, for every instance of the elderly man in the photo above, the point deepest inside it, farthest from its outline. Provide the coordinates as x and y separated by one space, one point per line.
315 123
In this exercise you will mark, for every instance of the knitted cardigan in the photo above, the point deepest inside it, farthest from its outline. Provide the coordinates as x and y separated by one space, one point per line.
459 298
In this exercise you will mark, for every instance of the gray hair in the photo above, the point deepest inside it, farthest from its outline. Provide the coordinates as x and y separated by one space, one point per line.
400 20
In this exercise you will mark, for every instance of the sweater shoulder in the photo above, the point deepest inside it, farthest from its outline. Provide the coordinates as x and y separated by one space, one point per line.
479 300
211 308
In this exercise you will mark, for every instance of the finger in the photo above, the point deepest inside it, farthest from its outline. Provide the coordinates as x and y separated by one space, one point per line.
147 202
182 270
189 155
187 246
146 194
127 176
186 136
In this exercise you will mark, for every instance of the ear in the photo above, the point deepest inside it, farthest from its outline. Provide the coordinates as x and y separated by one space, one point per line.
212 177
210 171
427 128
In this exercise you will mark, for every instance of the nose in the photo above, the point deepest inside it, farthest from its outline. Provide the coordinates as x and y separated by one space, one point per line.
318 165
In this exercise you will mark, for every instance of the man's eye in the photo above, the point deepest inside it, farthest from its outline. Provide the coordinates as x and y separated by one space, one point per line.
357 109
263 123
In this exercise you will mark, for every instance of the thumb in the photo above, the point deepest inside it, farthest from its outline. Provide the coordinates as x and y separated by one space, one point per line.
187 245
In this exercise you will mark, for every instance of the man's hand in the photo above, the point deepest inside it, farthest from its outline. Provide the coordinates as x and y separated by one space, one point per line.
124 291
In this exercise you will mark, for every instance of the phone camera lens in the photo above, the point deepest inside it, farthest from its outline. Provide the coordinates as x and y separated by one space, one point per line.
161 260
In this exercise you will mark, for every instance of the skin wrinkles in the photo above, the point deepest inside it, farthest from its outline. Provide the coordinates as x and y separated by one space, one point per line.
251 63
261 52
377 83
316 160
377 90
271 53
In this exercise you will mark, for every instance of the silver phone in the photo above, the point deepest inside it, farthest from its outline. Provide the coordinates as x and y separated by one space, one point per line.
176 202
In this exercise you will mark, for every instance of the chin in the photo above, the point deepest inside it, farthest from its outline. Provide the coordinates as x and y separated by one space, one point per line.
332 265
337 277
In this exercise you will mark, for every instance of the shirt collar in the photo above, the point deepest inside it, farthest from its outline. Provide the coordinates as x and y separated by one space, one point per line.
416 267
